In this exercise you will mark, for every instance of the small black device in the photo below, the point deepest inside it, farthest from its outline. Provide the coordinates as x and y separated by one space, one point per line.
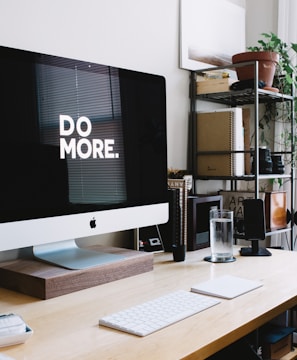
254 227
150 239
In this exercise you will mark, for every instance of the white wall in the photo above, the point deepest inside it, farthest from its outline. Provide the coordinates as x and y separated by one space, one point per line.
261 17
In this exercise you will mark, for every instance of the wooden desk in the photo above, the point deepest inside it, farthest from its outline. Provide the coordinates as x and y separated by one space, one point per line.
66 327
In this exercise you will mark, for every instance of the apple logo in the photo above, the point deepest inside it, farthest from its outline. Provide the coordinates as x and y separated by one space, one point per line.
93 223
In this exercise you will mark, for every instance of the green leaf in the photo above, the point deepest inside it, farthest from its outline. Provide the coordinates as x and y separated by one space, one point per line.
289 79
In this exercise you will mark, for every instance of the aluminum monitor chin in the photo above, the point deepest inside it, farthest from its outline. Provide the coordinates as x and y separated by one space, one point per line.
83 152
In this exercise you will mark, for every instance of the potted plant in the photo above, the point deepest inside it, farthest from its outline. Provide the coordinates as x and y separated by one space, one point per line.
281 57
267 60
285 80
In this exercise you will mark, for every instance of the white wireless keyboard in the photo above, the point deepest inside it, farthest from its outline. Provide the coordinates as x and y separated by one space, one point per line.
156 314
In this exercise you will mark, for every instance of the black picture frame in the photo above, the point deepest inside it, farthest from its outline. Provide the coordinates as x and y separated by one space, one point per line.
198 219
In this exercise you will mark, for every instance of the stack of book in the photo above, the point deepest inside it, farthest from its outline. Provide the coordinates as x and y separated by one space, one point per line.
208 86
214 82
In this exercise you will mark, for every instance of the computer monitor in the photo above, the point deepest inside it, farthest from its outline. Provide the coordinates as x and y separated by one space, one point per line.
83 152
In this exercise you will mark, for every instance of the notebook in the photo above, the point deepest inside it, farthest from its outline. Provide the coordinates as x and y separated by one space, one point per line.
226 286
220 130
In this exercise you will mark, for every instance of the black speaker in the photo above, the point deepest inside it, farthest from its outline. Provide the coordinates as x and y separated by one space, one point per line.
254 227
171 232
265 162
277 164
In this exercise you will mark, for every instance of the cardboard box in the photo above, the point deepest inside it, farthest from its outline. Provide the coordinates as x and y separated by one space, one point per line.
276 210
277 341
279 349
208 86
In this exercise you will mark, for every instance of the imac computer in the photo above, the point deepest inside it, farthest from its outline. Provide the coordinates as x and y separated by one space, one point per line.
83 152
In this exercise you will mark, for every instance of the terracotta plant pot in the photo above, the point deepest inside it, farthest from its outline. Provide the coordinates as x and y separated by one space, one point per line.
267 65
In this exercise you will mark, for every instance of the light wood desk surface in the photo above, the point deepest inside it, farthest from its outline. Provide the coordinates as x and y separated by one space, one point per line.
66 327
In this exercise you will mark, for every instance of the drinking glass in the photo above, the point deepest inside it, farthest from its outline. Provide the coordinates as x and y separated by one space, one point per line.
221 235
